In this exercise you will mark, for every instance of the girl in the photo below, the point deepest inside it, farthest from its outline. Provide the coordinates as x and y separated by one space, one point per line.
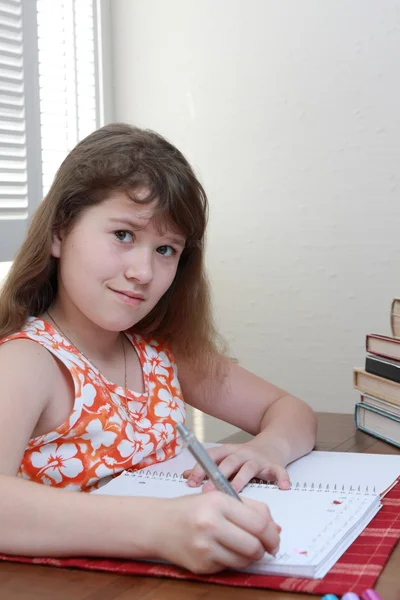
105 304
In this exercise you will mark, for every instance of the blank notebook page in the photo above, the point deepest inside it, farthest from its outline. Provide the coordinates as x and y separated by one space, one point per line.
348 469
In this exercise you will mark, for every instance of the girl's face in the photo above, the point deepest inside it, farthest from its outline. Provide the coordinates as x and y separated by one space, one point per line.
114 266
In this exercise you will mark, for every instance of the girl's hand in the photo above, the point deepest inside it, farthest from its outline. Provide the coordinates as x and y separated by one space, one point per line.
206 533
243 461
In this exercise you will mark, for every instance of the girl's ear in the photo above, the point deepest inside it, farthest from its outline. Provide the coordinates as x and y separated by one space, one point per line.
56 245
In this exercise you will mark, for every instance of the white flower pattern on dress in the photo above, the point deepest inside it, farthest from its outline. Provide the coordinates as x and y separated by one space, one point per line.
170 406
56 462
136 445
97 436
164 433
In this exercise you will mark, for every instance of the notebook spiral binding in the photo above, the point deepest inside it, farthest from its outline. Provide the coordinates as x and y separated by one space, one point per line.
260 483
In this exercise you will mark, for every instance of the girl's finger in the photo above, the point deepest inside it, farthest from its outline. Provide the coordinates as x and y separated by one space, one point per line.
244 473
255 518
245 545
282 478
196 475
278 474
231 465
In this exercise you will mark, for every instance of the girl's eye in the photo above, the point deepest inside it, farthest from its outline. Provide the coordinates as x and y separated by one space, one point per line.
124 236
166 250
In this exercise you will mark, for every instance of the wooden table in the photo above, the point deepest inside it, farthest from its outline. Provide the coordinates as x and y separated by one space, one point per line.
28 582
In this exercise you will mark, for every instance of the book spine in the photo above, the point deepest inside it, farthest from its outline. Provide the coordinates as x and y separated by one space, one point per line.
377 411
358 410
390 393
385 407
385 354
382 369
395 318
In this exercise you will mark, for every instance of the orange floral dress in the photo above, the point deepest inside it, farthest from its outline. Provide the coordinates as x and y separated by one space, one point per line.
110 428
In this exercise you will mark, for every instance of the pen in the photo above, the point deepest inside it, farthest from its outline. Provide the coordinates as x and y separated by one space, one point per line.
205 461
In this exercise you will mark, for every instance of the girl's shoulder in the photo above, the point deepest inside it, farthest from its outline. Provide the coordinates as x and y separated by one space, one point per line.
21 351
27 370
28 347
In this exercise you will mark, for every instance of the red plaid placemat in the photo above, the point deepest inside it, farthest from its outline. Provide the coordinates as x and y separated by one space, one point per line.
357 570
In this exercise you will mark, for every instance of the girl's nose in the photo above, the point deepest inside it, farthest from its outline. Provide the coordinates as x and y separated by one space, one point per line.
140 266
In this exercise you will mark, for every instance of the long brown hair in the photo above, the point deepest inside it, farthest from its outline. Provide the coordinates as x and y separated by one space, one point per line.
124 158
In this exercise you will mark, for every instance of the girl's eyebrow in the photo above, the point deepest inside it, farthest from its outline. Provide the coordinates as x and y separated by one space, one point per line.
178 241
136 226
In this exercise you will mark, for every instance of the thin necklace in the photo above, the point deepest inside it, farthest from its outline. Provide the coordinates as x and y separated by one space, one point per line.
80 351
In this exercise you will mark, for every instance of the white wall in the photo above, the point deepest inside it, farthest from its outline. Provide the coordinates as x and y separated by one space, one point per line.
290 113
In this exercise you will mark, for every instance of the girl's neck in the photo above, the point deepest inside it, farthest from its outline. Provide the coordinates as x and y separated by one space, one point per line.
92 341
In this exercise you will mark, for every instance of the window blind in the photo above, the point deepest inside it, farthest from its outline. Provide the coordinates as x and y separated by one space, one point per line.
49 100
20 176
67 78
13 159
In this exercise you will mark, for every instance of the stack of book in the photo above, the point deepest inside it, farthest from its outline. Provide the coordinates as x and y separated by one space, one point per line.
378 411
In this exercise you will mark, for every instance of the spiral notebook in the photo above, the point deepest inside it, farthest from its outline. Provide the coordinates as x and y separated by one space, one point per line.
333 497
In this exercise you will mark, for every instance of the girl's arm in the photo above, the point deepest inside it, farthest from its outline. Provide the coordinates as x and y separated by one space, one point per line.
284 426
37 520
